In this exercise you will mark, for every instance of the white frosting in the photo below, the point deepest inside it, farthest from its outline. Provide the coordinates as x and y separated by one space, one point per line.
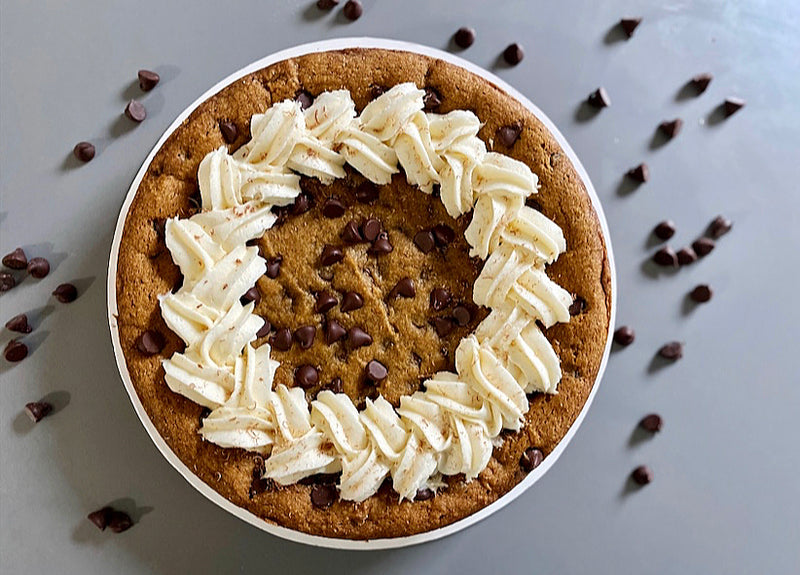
451 426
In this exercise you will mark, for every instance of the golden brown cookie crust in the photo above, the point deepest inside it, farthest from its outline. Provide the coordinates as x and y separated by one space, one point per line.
145 270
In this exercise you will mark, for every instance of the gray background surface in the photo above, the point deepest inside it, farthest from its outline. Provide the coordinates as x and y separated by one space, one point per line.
726 496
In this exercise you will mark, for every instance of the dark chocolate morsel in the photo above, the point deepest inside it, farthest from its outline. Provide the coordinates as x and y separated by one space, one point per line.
719 226
326 4
305 336
703 246
333 208
686 256
38 267
334 331
325 302
352 10
15 351
508 135
150 342
375 371
324 494
732 105
281 339
425 241
265 329
84 151
336 385
624 336
671 128
148 80
229 131
306 376
666 257
135 111
443 326
19 323
37 410
629 25
404 288
351 301
305 98
440 298
66 293
652 423
16 260
432 99
119 521
701 293
701 82
251 295
599 99
367 192
372 228
351 234
358 337
331 255
424 494
100 517
531 459
642 475
640 173
513 54
462 315
7 281
464 37
274 266
443 235
664 230
672 350
382 245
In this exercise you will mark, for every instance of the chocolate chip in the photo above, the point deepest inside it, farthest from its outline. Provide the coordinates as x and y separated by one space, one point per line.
251 295
38 267
148 80
701 293
462 315
508 135
334 332
306 376
229 131
333 208
305 98
16 260
640 173
66 293
375 371
376 91
719 226
672 350
352 301
701 82
150 342
642 475
624 336
305 336
664 230
464 37
301 205
358 337
281 339
440 298
135 111
629 25
100 517
703 246
119 521
578 306
425 241
531 459
666 257
326 4
84 151
351 234
325 302
331 255
274 266
443 235
15 351
686 256
352 10
323 495
431 100
443 326
671 128
372 229
599 99
381 245
513 54
265 329
652 423
367 192
424 494
336 385
733 105
19 324
404 288
533 203
7 281
37 410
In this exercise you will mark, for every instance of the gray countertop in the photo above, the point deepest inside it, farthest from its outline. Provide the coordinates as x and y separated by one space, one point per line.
725 499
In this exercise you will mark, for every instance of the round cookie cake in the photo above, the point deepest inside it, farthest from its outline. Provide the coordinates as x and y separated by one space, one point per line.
362 293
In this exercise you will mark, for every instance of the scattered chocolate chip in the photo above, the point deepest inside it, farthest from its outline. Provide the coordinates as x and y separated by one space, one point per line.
642 475
733 105
508 135
336 385
38 267
306 376
701 82
404 288
148 80
301 205
352 10
351 234
100 517
334 332
719 226
37 410
671 128
265 329
19 324
281 339
686 256
251 295
229 131
701 293
431 99
599 99
326 4
305 98
358 337
331 255
150 342
425 241
325 302
135 111
372 229
375 371
376 91
531 459
305 336
440 298
672 350
333 208
66 293
424 494
7 281
666 257
664 230
443 234
323 495
703 246
382 245
119 521
16 260
352 301
15 351
443 326
462 315
652 423
84 151
464 37
274 266
629 25
624 336
513 54
367 192
640 173
578 306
